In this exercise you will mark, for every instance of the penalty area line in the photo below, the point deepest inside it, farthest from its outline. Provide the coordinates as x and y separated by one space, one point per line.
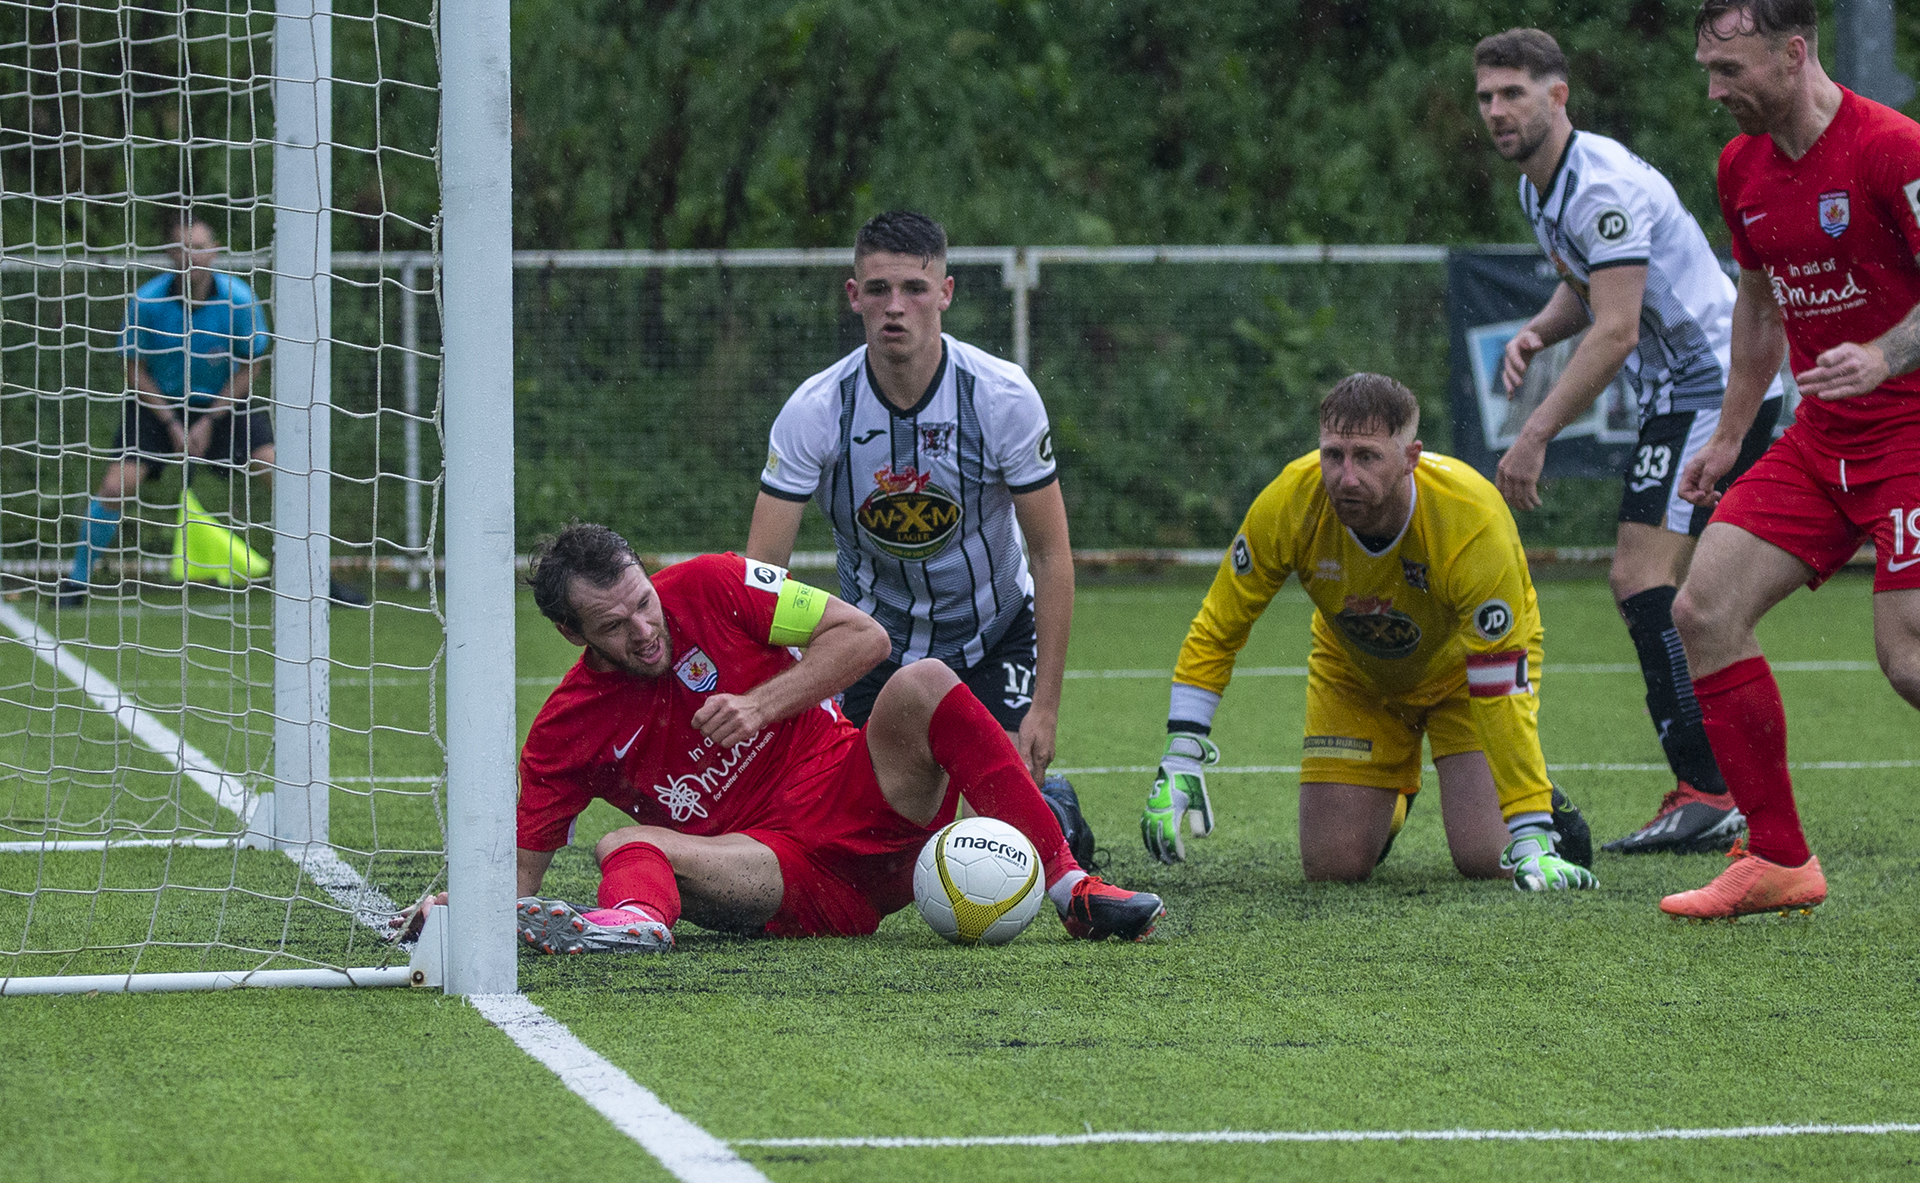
689 1153
1246 1136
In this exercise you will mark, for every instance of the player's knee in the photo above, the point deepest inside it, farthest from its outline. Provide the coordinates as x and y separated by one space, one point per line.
1479 864
1337 865
1695 621
624 836
918 687
1902 667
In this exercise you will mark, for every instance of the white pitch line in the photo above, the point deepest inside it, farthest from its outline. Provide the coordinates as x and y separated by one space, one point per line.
690 1153
1241 769
228 793
322 865
1229 1136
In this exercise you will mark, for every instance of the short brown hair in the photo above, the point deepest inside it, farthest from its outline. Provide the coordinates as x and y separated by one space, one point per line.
1360 404
1772 19
583 550
1522 49
902 232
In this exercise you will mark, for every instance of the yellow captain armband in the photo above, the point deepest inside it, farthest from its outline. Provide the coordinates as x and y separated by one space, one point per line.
798 613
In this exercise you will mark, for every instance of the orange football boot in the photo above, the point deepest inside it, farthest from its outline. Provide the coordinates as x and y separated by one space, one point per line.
1751 884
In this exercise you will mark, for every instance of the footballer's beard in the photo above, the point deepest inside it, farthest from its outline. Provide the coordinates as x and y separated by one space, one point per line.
1529 138
628 663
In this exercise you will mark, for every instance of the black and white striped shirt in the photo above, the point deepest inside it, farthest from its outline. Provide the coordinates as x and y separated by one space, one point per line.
921 500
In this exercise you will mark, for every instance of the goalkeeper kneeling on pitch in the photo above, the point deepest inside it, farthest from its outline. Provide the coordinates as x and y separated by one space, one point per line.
1426 623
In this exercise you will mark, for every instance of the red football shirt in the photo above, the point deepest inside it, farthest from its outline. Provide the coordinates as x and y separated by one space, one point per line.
1836 232
631 741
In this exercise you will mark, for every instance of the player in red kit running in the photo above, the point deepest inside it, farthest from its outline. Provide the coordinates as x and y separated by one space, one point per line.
756 806
1822 195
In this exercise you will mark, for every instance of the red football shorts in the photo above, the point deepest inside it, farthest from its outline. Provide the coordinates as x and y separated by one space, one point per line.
1808 504
846 858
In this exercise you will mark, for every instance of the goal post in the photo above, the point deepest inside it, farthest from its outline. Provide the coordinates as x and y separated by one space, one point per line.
217 769
477 299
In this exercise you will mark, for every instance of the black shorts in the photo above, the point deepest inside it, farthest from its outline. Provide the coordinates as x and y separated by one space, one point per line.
1651 492
235 438
1002 681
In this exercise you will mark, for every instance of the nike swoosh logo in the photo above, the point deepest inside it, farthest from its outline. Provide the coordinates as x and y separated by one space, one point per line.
619 751
1641 486
1750 219
1903 564
870 436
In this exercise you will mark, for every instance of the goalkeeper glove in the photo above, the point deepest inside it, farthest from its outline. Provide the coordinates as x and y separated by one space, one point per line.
1179 790
1535 866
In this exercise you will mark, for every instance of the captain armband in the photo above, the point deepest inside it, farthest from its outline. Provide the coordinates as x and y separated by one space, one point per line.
1496 675
797 613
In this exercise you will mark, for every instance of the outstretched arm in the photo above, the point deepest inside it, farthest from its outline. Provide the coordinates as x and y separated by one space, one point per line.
1043 520
1759 344
776 523
1616 295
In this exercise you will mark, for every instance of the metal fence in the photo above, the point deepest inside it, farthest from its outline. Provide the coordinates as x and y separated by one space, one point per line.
1178 379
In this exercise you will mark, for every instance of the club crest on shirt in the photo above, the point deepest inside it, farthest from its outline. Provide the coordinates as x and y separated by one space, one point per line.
907 515
936 439
696 671
1416 574
1377 628
1835 212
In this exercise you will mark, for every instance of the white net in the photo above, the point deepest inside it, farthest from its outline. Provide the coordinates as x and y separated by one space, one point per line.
150 704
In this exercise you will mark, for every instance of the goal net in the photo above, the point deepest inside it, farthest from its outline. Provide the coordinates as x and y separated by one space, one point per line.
222 650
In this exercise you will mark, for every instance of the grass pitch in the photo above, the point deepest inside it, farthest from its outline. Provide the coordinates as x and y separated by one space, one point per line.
1416 1001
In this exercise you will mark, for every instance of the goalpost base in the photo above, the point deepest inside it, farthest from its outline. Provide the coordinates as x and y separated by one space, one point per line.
425 969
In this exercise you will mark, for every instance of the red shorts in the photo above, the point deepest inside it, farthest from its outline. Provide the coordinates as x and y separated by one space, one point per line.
1808 504
846 858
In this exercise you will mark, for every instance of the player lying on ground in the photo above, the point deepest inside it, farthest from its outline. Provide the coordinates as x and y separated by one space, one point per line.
1821 194
756 806
1635 267
1425 623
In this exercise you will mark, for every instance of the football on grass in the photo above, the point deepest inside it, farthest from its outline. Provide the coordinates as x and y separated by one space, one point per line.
978 882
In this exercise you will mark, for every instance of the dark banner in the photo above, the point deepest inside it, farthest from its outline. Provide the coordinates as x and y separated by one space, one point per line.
1491 294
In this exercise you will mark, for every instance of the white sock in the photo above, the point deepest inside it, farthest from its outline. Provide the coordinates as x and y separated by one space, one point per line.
1061 892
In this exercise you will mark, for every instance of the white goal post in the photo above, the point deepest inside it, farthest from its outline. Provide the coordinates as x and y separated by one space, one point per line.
178 735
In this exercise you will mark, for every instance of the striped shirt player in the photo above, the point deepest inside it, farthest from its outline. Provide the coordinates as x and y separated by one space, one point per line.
933 462
921 503
1608 208
1637 274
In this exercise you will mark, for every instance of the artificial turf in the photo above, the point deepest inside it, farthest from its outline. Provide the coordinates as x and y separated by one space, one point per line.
1416 1001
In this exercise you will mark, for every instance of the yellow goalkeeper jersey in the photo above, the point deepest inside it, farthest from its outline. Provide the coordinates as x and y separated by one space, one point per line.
1451 592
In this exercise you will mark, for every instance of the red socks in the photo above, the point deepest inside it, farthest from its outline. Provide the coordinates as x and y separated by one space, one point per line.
639 873
1747 726
971 745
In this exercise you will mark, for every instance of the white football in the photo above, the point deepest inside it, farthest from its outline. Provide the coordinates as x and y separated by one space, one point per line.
977 882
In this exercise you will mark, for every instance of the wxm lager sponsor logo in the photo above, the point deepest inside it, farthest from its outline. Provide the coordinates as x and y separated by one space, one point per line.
969 842
907 515
1377 628
686 794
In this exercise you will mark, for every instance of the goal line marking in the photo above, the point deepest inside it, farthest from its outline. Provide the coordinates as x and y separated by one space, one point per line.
1242 1136
321 864
690 1153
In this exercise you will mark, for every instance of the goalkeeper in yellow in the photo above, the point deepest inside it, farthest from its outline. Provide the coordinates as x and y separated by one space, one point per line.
1426 624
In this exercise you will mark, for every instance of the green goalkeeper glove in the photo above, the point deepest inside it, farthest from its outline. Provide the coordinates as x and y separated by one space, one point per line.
1536 867
1179 790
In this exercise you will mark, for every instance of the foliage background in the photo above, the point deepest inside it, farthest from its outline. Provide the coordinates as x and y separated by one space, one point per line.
644 398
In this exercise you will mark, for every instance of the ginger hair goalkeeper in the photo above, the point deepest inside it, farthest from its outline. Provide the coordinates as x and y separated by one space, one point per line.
1426 624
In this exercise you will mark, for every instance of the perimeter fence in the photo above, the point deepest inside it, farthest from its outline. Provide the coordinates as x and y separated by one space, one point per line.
1178 379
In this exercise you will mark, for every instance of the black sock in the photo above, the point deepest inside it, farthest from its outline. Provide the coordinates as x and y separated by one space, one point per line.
1676 714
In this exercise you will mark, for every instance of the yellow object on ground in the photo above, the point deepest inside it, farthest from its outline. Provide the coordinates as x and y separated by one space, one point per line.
204 551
